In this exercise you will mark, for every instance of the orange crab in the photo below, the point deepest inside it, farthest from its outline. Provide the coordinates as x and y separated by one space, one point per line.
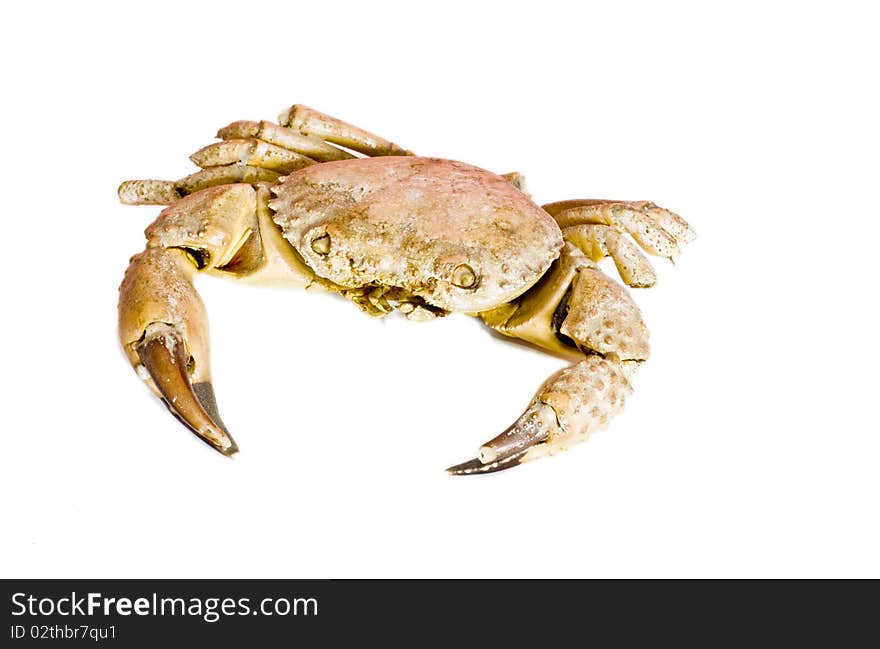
319 203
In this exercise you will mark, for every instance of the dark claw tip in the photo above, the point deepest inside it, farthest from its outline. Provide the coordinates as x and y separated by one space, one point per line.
475 467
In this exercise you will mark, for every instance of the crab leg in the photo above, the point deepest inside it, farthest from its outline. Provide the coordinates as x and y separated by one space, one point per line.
251 152
598 241
281 136
578 311
261 152
166 192
312 122
595 225
622 214
149 192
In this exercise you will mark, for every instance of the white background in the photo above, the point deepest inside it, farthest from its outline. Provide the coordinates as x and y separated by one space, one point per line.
750 446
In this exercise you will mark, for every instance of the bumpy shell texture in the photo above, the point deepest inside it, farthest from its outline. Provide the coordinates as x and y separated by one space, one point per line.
459 237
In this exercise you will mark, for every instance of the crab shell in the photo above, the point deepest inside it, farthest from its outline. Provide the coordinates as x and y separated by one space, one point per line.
459 237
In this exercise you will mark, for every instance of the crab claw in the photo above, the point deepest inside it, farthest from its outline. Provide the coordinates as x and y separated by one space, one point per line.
164 356
522 441
164 332
568 408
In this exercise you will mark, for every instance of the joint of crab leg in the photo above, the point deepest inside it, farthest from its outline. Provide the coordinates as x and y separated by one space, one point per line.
253 152
165 358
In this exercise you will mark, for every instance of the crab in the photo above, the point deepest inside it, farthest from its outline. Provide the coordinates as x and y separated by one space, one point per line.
319 203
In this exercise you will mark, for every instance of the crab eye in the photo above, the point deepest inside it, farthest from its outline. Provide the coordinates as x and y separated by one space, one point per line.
321 245
464 276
